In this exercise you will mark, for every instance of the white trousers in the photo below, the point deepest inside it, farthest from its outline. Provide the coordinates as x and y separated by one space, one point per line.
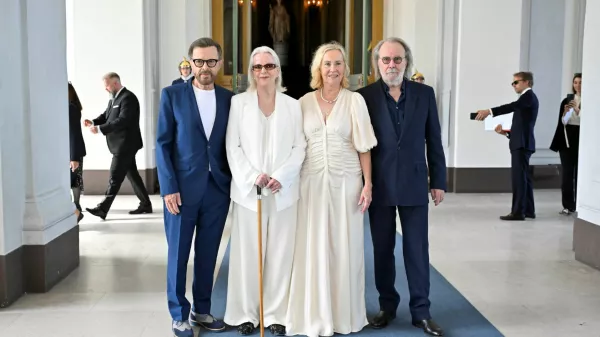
278 238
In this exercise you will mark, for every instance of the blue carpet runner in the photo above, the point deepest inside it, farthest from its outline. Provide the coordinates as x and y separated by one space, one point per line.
449 308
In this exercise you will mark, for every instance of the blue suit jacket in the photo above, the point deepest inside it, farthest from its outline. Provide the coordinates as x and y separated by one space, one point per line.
183 152
399 162
523 122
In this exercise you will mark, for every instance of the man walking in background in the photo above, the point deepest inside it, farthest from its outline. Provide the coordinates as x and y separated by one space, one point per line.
120 123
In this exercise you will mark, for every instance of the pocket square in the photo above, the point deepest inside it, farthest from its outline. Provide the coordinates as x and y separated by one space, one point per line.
115 106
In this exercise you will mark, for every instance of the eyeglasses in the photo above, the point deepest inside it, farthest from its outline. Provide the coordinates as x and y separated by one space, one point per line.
387 59
268 66
200 63
515 82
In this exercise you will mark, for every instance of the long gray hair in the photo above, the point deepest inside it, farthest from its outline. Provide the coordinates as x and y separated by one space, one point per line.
252 80
408 55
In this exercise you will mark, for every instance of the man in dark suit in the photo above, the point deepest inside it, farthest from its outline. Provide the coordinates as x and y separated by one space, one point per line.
195 180
521 144
120 123
405 119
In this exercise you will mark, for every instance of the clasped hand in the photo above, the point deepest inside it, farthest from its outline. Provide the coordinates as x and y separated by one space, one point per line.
264 180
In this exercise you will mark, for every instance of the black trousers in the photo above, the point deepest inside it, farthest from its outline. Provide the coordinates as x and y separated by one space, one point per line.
522 185
569 159
415 250
123 165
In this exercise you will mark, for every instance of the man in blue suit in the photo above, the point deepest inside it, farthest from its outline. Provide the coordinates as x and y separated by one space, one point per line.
194 181
521 144
405 119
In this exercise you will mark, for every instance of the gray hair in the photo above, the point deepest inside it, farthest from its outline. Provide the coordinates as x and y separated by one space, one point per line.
408 55
205 42
111 75
252 80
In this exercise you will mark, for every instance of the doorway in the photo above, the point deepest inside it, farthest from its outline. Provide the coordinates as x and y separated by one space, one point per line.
295 29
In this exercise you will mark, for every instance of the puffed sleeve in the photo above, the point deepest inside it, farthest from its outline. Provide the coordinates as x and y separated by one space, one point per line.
363 136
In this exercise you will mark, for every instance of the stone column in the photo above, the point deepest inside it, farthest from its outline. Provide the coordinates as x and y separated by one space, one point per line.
586 236
12 178
38 231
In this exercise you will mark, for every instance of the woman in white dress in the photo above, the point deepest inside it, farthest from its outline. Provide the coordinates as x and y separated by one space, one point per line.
327 292
265 147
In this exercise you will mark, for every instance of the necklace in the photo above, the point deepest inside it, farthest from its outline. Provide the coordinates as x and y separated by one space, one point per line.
328 101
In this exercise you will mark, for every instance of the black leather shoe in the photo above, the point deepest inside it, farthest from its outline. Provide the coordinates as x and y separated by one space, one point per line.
530 216
382 319
245 328
429 326
513 217
142 209
277 329
97 212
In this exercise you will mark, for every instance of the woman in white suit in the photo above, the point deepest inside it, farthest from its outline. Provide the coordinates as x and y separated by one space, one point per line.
265 147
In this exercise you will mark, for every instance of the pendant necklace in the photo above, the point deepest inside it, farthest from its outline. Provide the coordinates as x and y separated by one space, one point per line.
328 101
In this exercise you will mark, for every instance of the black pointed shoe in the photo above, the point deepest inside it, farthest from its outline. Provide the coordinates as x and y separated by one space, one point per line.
429 326
382 319
142 209
513 217
97 212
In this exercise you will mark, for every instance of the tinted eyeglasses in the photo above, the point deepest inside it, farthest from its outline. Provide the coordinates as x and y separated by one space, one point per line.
200 63
515 82
387 59
268 66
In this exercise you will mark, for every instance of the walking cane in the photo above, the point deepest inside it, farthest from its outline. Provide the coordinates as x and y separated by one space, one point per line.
260 266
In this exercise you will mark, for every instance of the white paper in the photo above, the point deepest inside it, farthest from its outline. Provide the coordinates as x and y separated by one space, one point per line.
567 116
504 120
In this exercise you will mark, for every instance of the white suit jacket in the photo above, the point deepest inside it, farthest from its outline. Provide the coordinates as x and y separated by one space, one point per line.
244 149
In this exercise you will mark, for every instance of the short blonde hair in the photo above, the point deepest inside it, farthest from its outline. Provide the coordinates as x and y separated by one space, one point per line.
316 80
252 81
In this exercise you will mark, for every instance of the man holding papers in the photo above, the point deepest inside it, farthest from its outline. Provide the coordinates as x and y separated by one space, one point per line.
521 144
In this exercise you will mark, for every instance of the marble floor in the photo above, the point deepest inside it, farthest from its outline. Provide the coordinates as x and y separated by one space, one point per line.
521 275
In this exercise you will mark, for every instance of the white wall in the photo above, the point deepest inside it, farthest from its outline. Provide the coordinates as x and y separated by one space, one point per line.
107 36
179 26
417 22
488 52
588 185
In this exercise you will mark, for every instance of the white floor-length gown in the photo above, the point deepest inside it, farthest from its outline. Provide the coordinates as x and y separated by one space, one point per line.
327 291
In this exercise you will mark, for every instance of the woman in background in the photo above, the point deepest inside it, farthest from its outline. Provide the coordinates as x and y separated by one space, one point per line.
77 149
566 143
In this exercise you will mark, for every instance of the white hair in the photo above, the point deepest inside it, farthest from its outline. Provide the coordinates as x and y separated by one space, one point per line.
408 55
252 80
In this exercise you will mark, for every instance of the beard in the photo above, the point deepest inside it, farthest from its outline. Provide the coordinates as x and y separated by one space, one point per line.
393 81
204 80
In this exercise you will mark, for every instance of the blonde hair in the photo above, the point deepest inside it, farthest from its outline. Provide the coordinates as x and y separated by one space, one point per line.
316 80
252 80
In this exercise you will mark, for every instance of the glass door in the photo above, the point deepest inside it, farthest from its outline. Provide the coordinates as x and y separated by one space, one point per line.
241 25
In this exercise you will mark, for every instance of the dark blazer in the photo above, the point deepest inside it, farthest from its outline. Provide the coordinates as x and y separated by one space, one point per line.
558 141
120 123
183 152
523 122
77 145
400 163
181 80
